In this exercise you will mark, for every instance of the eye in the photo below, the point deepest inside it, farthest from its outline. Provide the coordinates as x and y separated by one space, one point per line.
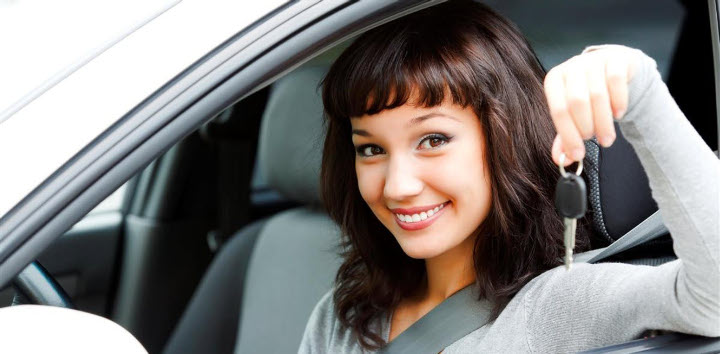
369 150
433 141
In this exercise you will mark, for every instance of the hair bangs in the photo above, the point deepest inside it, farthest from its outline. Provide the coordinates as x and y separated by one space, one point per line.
384 73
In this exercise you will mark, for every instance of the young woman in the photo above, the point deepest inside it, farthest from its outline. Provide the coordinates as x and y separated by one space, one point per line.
440 165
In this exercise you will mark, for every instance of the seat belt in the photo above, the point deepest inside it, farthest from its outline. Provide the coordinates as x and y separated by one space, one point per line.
454 318
462 314
650 229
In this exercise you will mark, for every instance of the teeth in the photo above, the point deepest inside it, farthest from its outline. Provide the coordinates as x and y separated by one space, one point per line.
419 217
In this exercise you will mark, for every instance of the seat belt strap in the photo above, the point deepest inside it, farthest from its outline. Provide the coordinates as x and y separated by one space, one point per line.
651 228
454 318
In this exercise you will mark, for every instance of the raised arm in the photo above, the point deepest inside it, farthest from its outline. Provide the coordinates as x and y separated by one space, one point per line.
684 176
610 303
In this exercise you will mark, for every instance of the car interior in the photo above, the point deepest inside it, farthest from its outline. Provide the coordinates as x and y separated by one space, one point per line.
221 244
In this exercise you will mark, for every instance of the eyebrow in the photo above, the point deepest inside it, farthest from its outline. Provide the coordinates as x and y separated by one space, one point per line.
418 120
414 121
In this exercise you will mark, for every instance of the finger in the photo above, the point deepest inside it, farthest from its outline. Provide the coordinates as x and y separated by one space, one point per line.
616 71
572 143
578 98
600 100
557 150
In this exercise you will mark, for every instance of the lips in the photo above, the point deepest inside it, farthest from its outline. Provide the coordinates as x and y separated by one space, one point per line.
417 218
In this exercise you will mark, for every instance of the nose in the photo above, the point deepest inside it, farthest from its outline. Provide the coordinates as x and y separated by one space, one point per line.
401 181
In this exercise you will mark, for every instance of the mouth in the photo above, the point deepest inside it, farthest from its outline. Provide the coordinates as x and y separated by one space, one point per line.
418 218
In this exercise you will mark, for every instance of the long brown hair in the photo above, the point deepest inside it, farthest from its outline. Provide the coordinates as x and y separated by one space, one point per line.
480 59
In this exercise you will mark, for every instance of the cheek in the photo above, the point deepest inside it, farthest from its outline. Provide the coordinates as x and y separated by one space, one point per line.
370 183
463 177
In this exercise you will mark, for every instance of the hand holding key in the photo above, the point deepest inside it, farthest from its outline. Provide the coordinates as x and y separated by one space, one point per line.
583 95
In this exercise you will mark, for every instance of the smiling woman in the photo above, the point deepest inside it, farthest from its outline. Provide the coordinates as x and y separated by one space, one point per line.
475 75
483 88
438 167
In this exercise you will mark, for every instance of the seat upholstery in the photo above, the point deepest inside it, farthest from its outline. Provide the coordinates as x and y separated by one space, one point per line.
210 322
292 266
260 289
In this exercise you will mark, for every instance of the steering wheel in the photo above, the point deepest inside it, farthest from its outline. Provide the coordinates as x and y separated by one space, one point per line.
34 285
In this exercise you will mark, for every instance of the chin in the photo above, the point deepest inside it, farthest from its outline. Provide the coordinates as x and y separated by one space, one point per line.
421 250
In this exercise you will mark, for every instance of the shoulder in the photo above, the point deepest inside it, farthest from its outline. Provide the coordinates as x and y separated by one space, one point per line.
324 311
325 334
320 325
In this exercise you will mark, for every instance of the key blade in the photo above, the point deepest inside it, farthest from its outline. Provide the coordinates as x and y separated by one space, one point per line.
569 240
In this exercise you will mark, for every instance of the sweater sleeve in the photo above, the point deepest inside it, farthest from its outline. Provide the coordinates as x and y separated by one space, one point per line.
603 304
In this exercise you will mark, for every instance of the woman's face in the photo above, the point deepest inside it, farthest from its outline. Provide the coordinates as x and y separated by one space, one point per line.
423 174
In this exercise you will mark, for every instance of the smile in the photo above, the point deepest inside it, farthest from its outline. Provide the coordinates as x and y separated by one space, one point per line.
418 218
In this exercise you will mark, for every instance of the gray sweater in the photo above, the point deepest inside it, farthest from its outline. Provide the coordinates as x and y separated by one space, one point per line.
597 305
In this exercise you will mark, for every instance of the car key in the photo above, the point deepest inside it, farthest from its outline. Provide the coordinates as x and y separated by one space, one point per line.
571 203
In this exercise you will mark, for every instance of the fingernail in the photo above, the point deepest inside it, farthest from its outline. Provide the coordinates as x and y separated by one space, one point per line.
619 114
578 154
607 140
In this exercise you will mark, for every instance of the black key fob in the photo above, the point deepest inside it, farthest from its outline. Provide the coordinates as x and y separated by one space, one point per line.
571 196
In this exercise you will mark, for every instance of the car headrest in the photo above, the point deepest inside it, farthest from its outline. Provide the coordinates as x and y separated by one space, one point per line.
292 135
619 193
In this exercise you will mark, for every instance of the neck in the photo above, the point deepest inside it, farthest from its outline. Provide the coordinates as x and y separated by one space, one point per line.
450 272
